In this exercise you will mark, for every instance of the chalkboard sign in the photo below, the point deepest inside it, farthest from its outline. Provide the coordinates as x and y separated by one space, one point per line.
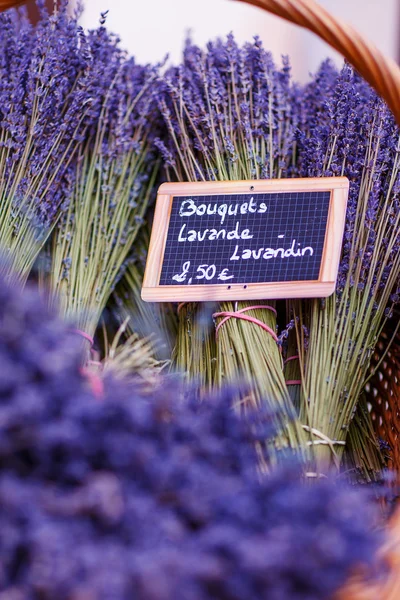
246 239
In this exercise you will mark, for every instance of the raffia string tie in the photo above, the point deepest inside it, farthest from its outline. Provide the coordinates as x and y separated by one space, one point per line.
294 357
324 439
180 306
292 381
95 382
238 314
95 363
314 475
85 335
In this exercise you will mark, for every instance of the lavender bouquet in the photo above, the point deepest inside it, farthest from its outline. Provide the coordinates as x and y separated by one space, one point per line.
45 103
228 113
346 130
111 183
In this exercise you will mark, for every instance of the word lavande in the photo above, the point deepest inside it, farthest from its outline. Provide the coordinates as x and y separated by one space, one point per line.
213 234
267 253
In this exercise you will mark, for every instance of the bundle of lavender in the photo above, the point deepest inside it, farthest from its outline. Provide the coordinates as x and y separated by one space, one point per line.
111 184
46 93
347 130
228 112
195 351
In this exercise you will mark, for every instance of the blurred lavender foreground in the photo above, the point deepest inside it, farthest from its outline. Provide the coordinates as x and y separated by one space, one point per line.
129 498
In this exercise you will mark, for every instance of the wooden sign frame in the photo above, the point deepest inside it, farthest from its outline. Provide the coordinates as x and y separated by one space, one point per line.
321 288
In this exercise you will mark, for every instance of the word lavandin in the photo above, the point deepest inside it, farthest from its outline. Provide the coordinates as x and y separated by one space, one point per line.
228 113
44 107
113 175
349 131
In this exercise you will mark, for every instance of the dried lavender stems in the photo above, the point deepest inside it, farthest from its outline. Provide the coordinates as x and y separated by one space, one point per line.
45 102
231 115
248 353
82 132
228 116
154 321
112 182
359 140
76 154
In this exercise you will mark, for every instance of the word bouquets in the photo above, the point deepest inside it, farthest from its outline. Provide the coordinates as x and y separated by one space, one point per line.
245 238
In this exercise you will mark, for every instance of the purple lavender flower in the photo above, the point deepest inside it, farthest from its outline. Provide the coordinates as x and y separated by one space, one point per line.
344 129
137 497
57 84
112 177
228 112
44 105
40 105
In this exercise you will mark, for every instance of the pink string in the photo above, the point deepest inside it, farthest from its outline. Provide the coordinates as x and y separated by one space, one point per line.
238 315
295 357
181 305
95 382
95 363
292 381
86 336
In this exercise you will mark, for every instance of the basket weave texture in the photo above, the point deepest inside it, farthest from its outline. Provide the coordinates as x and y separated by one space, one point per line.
384 393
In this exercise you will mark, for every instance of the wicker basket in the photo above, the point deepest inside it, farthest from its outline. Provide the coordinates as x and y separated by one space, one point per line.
389 589
380 71
383 74
6 4
384 392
